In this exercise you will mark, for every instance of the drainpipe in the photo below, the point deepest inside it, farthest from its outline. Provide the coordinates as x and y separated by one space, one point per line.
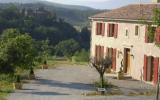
157 93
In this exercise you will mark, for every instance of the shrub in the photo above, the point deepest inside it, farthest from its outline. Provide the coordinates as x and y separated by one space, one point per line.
81 56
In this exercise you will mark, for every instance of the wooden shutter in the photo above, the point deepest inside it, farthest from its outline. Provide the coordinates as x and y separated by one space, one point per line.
102 51
156 65
145 68
114 59
108 30
149 68
96 50
146 36
103 29
116 31
107 51
97 28
157 35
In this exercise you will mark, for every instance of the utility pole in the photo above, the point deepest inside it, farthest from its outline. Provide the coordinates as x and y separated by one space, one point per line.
157 92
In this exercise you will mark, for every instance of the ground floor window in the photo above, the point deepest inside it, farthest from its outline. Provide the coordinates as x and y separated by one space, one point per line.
112 52
150 70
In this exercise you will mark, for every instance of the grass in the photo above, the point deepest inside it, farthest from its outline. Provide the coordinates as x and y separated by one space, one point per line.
5 89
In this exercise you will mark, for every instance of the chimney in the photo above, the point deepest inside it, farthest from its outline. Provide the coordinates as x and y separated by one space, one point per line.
156 1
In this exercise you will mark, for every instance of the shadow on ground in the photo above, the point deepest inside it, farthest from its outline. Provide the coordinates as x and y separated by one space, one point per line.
70 85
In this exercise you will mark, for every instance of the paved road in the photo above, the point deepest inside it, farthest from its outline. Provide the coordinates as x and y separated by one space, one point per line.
65 83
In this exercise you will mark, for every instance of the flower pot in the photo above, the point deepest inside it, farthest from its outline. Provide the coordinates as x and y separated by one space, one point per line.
108 70
45 67
120 76
31 76
17 85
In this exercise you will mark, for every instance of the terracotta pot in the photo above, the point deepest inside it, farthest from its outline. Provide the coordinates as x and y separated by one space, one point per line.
45 67
17 85
120 76
31 76
108 70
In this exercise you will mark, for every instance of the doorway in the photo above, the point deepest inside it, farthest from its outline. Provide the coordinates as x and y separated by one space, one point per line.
127 61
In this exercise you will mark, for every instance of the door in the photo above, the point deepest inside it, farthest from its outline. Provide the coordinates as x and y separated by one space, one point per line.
127 61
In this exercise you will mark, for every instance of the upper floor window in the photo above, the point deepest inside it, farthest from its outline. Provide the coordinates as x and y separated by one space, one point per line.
137 30
150 34
100 29
112 30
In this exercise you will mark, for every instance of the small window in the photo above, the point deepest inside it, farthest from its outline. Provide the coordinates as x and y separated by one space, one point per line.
111 30
126 32
137 30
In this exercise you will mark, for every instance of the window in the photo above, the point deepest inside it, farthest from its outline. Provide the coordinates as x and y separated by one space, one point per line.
111 52
99 52
100 29
112 30
150 70
149 34
136 30
127 33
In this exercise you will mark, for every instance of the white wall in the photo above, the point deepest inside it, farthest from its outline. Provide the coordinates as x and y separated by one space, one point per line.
139 49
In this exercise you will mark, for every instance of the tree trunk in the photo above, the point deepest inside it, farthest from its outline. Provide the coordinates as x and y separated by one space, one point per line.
102 83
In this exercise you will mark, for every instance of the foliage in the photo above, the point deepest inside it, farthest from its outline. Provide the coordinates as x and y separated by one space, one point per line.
81 56
84 38
16 50
67 48
106 84
156 17
151 33
101 65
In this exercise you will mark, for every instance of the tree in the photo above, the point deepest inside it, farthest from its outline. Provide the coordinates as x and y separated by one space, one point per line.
101 65
156 21
67 48
17 50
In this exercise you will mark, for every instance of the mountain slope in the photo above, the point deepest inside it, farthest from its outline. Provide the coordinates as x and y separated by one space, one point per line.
75 15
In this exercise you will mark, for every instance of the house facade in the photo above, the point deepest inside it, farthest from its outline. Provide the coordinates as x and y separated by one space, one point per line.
122 35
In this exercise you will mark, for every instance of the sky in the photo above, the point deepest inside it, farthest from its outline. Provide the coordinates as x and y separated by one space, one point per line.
100 4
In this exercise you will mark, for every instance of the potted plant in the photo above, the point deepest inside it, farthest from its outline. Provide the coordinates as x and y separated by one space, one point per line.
31 74
17 84
120 75
45 66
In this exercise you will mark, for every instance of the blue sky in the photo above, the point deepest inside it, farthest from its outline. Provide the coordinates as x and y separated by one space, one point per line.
100 4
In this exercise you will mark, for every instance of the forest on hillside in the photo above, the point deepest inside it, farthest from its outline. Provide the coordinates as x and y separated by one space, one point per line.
42 31
42 24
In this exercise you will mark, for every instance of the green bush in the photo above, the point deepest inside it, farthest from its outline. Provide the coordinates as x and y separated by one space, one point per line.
81 56
7 77
106 84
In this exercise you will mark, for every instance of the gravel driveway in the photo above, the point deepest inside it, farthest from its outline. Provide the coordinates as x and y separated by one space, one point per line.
65 82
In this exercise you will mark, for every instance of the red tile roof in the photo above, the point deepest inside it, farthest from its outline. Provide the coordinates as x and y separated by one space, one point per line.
130 12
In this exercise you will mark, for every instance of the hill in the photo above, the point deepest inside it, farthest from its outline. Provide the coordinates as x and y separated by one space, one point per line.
75 15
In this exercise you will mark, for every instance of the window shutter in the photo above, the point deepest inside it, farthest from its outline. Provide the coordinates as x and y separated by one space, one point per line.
103 29
107 51
97 28
156 65
157 35
108 30
114 59
116 31
96 54
146 36
102 51
145 68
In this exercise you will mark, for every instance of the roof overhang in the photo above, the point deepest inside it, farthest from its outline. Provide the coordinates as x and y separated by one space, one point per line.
120 20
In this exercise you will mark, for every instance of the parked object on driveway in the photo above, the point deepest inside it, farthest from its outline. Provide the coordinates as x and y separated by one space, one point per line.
120 74
31 74
17 84
45 66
